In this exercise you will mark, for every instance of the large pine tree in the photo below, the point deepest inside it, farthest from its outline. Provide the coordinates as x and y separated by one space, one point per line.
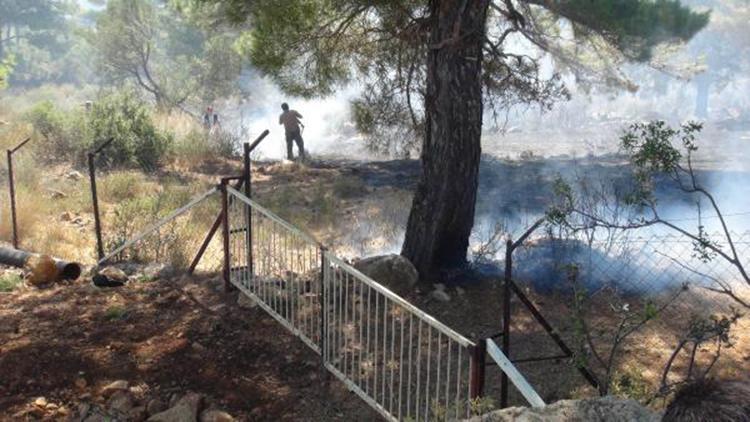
430 69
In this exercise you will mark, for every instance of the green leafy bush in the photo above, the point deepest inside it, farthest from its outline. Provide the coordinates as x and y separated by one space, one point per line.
71 134
127 120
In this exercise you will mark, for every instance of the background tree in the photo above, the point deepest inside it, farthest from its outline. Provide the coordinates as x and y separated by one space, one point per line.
439 63
140 42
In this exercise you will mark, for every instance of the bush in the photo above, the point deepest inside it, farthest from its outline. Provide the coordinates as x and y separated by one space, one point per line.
121 116
137 141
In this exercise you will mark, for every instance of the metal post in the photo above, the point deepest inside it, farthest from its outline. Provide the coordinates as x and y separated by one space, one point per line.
476 380
225 232
506 319
248 210
12 189
322 299
95 200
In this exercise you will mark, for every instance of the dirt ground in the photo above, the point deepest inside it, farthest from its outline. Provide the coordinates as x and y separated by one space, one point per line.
165 337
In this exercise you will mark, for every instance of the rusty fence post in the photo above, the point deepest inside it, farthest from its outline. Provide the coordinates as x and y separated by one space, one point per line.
12 191
248 210
506 319
95 198
476 378
225 233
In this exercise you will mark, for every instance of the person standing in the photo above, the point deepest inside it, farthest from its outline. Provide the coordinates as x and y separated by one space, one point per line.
291 121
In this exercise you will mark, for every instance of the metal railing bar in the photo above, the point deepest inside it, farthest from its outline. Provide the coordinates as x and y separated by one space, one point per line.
155 226
523 386
272 216
358 391
399 300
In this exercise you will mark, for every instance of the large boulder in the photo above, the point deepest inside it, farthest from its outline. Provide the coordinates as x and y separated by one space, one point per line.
600 409
393 271
186 409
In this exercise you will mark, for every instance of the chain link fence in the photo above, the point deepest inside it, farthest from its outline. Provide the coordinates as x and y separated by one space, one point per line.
644 293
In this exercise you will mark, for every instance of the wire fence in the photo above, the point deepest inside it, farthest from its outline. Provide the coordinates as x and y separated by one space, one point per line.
594 286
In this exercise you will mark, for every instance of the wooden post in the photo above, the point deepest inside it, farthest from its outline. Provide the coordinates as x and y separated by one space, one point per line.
95 200
476 380
506 319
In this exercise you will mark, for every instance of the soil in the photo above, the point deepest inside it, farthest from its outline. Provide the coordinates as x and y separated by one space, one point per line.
168 336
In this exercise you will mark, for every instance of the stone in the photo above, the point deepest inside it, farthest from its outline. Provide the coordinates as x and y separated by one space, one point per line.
460 291
394 271
439 286
440 296
244 302
40 402
56 194
110 388
81 383
599 409
216 416
121 402
74 175
137 414
114 274
156 271
66 216
186 409
155 406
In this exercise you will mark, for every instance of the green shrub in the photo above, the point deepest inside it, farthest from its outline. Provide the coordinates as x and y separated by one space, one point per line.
137 142
8 282
71 134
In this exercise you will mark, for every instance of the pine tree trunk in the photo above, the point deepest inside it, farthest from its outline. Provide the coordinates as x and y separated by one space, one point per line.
442 213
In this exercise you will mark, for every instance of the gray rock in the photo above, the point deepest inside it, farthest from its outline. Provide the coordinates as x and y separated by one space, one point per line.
185 410
600 409
120 402
74 175
394 271
114 274
156 271
110 388
440 295
243 301
216 416
155 406
137 414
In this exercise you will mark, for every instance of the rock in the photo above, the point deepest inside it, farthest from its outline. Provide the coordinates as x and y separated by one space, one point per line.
167 299
110 277
154 271
244 302
155 406
56 194
440 296
216 416
394 271
40 402
137 414
81 383
66 216
121 402
198 347
186 409
460 291
600 409
110 388
74 175
439 286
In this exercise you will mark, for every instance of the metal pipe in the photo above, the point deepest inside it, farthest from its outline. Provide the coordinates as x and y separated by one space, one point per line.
12 190
249 211
506 319
18 258
225 232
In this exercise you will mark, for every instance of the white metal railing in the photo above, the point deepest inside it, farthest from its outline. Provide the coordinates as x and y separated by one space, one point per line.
281 271
397 358
518 380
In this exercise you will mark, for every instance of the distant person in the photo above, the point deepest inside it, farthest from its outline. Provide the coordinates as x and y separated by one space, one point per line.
207 117
711 400
291 121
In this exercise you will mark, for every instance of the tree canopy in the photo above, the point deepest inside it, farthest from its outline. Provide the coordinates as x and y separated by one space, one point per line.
162 53
430 70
